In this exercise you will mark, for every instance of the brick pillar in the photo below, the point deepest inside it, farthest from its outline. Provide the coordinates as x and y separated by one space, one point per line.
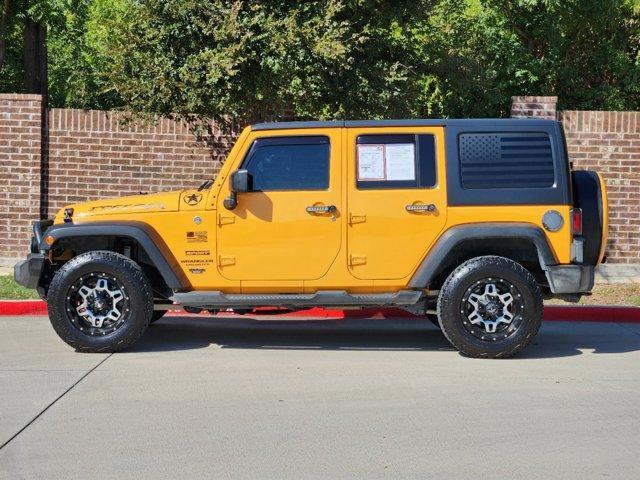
539 107
20 150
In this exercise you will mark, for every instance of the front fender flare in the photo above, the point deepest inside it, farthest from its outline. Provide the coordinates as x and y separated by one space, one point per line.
142 233
437 257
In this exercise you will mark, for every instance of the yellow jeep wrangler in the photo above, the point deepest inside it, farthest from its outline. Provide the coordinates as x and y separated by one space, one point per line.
475 221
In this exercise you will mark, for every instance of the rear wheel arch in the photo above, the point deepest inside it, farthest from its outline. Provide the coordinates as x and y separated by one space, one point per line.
523 243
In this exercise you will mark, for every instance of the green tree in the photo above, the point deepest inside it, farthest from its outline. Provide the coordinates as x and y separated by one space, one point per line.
76 57
329 59
249 60
584 51
23 27
10 48
370 59
79 60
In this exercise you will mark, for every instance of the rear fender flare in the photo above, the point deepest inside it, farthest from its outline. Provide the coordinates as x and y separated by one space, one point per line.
438 255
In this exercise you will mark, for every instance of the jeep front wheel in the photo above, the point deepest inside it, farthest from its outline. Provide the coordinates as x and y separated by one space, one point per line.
100 301
490 307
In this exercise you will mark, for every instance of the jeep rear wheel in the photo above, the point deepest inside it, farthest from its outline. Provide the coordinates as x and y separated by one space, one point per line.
490 307
100 302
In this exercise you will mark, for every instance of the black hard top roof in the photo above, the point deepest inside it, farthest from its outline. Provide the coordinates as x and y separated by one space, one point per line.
461 122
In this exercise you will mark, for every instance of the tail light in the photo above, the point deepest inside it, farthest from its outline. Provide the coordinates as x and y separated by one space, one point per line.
576 221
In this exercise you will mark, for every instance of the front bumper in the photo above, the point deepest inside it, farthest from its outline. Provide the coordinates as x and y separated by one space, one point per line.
27 272
570 278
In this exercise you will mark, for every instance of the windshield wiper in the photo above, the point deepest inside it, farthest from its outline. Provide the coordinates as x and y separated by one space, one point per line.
206 184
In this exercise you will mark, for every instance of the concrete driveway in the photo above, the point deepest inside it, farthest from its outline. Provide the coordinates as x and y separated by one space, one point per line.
223 398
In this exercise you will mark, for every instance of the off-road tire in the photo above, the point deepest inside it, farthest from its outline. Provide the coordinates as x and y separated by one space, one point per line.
157 315
137 288
450 303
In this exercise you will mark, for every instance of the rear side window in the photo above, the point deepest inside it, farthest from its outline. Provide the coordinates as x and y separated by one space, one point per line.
289 163
395 161
506 160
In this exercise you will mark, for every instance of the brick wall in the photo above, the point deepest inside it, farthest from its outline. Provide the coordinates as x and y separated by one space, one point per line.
93 154
609 142
96 154
20 134
540 107
89 155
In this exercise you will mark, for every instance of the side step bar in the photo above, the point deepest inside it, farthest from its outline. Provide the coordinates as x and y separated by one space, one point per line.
323 298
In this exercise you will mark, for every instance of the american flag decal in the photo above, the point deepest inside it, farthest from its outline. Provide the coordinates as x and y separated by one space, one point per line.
197 236
504 160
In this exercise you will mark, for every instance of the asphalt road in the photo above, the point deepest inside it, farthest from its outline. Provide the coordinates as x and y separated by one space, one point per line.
224 398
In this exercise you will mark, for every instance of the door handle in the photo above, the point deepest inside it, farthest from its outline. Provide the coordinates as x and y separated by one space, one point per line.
421 207
321 209
353 219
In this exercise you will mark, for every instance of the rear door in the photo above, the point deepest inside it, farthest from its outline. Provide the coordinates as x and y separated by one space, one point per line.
396 198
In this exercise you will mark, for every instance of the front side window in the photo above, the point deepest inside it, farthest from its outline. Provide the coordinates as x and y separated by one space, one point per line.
289 163
395 161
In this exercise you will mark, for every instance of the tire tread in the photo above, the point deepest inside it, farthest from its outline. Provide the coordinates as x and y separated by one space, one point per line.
445 304
56 303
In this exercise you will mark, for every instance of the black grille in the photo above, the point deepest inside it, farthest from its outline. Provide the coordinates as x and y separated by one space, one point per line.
502 160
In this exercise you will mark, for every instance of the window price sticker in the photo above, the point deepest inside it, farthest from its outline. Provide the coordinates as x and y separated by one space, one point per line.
400 161
371 162
393 161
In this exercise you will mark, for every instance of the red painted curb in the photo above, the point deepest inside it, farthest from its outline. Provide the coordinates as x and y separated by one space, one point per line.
592 314
551 313
23 307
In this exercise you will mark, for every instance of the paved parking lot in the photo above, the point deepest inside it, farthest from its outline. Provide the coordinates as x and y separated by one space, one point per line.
236 398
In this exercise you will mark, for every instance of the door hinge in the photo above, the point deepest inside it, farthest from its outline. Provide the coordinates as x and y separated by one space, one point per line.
226 261
356 218
222 220
357 260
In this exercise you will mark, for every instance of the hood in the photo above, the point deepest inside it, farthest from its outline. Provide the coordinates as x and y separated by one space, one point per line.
153 202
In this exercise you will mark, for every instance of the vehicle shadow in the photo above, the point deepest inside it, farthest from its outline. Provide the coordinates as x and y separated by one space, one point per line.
188 332
556 339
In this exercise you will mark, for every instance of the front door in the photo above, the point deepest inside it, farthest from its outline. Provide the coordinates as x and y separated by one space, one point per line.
287 227
396 199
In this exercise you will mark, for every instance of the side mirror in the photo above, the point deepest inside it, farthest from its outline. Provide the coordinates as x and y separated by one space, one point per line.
240 183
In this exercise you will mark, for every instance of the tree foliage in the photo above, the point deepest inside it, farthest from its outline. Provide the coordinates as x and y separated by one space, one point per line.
251 59
13 15
584 51
333 58
81 65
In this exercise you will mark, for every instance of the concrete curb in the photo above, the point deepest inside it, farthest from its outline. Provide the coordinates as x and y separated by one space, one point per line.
551 313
